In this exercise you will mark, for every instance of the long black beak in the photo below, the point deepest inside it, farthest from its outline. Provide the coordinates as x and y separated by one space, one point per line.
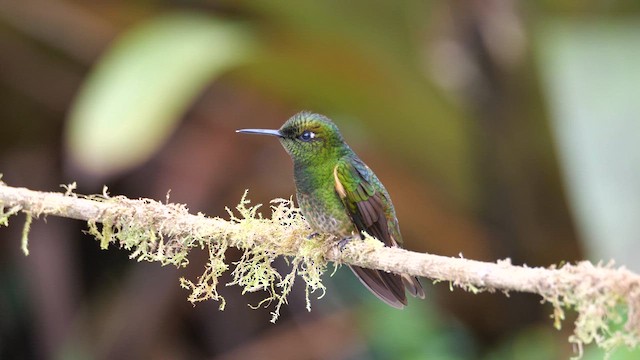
260 132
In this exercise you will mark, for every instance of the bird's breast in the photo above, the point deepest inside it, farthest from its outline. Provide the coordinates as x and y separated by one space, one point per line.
325 213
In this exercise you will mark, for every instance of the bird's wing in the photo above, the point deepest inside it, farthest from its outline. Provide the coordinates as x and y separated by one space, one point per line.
366 204
370 209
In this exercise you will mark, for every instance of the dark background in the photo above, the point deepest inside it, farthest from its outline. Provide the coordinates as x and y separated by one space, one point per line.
500 128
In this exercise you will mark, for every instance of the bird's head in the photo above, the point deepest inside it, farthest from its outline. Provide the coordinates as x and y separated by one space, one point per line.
308 138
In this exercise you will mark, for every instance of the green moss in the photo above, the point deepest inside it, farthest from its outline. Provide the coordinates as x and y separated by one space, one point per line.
25 233
207 284
136 229
260 239
607 310
5 215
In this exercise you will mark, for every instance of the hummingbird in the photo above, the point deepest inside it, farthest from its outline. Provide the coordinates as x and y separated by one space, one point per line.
339 195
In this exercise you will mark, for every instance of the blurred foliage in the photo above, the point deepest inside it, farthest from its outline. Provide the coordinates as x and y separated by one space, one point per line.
418 333
598 132
140 81
447 101
134 97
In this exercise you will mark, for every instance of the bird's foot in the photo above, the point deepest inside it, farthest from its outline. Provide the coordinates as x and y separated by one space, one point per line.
342 243
312 235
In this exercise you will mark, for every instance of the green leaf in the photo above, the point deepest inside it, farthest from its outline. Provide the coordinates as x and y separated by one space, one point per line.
591 75
135 96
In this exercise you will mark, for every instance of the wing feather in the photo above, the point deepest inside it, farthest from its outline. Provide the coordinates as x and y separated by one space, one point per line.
370 209
363 201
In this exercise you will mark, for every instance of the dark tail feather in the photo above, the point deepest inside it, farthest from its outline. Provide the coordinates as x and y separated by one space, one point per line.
388 287
413 286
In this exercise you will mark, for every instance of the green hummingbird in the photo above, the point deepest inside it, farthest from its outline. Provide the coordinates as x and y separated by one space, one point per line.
339 194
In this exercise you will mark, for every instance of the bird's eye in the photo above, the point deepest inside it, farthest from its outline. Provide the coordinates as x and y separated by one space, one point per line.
307 136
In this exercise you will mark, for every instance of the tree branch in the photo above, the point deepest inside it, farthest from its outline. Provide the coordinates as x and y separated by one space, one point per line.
603 296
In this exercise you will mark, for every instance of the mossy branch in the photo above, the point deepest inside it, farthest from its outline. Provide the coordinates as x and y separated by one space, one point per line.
607 299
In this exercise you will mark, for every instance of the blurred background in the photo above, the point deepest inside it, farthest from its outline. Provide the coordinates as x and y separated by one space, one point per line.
501 129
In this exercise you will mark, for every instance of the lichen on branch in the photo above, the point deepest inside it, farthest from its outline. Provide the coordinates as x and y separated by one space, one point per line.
262 240
607 299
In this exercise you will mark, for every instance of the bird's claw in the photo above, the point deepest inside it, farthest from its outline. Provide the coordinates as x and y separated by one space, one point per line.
342 243
312 235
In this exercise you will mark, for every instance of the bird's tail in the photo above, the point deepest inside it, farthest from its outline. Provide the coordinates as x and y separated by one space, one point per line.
412 284
389 287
